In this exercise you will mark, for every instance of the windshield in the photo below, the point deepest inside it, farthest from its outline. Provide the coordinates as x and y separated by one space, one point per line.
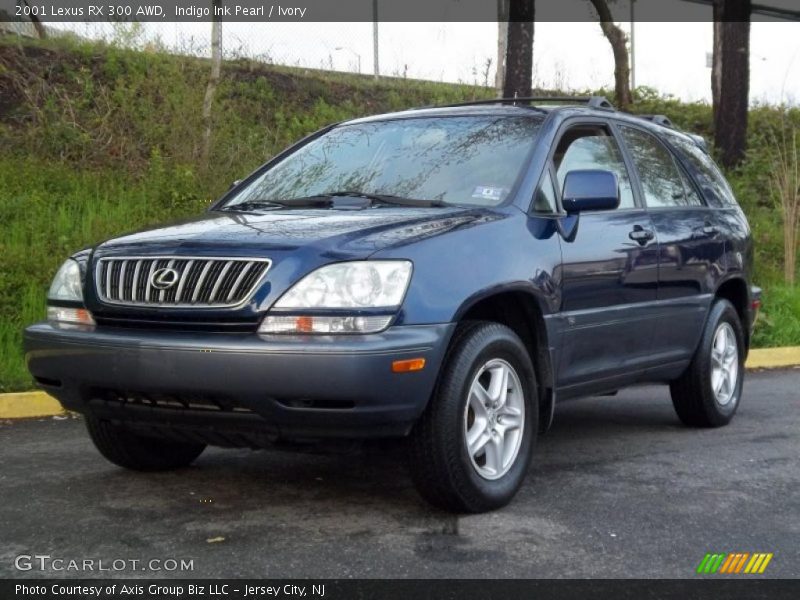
454 160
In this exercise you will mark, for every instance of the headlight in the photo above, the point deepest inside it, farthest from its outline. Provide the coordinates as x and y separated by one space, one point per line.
374 285
68 283
361 284
68 286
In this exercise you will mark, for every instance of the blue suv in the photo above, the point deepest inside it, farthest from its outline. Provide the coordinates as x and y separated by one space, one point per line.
442 275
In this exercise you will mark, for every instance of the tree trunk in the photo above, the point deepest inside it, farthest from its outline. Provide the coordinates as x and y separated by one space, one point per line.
213 80
37 24
619 46
716 56
376 65
502 45
519 52
731 79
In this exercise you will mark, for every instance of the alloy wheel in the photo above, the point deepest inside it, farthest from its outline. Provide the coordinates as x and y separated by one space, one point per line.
494 419
724 364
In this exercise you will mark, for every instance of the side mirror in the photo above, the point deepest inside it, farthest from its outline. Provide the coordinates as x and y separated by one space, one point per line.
235 183
590 189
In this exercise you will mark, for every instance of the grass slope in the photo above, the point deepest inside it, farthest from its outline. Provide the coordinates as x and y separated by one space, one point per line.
96 141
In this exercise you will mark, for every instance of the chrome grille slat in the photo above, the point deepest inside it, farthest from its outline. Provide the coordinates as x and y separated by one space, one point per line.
147 286
135 282
230 277
238 281
121 284
220 279
161 293
198 287
200 282
109 268
182 282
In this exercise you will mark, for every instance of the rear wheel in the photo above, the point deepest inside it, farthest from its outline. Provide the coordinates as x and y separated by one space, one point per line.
140 453
472 447
708 392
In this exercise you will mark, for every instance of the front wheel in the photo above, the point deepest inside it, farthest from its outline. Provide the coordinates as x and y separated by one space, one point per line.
708 392
472 447
137 452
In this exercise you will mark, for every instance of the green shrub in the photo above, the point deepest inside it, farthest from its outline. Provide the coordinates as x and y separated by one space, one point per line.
778 323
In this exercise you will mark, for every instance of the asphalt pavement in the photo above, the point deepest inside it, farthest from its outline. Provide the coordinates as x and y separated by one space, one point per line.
619 488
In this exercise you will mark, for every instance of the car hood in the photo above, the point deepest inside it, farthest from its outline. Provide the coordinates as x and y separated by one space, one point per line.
334 233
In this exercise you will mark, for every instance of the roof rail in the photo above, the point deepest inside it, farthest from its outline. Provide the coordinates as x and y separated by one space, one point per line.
658 120
700 141
598 102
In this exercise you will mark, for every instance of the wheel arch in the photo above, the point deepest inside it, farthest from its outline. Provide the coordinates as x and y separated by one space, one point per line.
735 291
522 310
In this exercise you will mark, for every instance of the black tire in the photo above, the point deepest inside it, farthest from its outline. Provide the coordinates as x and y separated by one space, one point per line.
140 453
692 393
441 466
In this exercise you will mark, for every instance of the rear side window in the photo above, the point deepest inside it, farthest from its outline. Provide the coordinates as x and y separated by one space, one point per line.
662 183
712 183
693 198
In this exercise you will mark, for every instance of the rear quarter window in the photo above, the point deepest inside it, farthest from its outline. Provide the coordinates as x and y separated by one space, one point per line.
712 182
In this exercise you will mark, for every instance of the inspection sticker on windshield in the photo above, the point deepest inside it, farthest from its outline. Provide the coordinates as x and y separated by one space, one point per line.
488 192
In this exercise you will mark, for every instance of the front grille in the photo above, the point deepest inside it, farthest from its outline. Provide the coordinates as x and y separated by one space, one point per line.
181 282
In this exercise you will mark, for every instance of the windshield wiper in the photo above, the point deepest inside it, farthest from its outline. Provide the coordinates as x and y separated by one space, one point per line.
252 205
328 199
388 199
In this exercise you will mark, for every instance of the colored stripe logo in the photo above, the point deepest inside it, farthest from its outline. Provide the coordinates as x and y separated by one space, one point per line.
734 563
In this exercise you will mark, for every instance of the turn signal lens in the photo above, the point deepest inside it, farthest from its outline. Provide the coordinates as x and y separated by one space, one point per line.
314 324
409 365
62 315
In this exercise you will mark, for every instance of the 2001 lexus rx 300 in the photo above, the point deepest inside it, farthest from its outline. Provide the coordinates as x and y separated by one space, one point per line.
438 274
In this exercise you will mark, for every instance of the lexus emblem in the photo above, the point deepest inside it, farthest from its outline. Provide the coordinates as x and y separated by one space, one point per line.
163 279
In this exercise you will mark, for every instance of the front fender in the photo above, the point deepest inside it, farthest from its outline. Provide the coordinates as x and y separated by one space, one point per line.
454 271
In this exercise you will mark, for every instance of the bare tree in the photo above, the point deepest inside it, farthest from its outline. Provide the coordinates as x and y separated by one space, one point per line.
785 183
519 52
730 78
213 80
502 44
37 24
619 46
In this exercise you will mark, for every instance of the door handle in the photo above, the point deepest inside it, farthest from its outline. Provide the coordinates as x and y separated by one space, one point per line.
641 235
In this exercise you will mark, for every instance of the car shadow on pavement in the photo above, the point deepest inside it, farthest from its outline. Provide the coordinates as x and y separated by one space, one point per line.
375 477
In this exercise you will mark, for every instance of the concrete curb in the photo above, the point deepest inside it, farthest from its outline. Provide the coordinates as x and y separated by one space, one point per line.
773 358
26 405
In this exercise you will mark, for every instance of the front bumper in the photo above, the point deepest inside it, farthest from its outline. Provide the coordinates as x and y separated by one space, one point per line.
240 389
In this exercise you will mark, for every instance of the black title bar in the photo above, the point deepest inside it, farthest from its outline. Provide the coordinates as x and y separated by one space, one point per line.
49 11
399 589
